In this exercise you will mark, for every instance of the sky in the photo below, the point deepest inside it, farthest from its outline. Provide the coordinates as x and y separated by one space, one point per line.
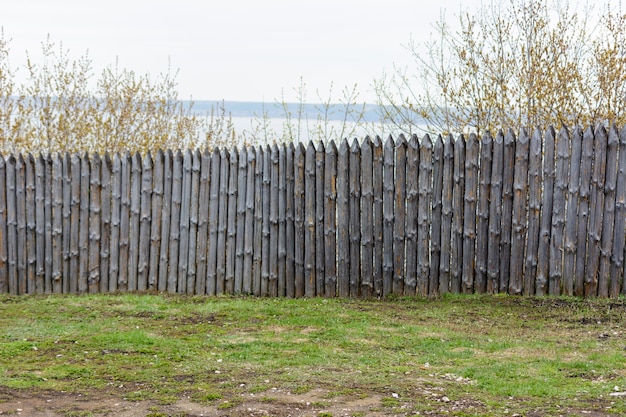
234 50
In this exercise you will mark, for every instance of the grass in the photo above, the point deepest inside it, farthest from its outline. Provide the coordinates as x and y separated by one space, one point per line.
501 355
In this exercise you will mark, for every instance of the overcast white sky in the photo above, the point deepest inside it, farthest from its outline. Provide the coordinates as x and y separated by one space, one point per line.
242 50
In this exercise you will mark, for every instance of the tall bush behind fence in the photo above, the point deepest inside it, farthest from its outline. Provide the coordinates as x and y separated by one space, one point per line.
524 214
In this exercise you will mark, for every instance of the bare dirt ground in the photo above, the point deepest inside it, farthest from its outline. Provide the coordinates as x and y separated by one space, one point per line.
271 403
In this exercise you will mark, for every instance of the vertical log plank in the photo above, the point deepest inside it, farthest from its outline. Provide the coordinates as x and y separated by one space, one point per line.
266 206
388 216
166 214
424 219
377 213
57 224
222 222
583 211
75 224
608 222
231 231
125 222
310 281
597 211
507 210
214 207
240 239
20 200
354 185
4 256
367 220
116 202
458 191
193 222
437 217
95 232
175 225
42 224
472 154
184 223
558 212
258 223
319 220
249 223
617 265
534 212
482 228
411 239
145 212
67 211
156 219
447 194
495 215
83 238
399 216
298 208
135 212
289 222
273 218
282 231
31 229
11 225
48 223
330 227
543 261
203 222
343 221
105 218
518 219
569 243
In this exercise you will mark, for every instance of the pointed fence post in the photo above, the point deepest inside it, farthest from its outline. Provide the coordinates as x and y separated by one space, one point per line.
482 228
367 220
446 216
608 223
543 260
143 262
571 221
558 211
310 280
184 223
413 178
240 240
4 258
248 243
95 224
458 192
105 218
583 211
202 239
519 218
535 180
330 226
156 219
596 214
617 262
319 220
166 218
192 268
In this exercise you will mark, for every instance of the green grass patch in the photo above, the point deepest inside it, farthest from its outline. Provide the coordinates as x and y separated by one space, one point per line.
496 353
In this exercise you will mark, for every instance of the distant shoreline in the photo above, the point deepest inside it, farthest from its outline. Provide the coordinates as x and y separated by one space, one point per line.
250 109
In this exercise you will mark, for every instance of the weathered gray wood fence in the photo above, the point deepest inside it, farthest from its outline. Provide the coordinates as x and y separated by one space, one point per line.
540 214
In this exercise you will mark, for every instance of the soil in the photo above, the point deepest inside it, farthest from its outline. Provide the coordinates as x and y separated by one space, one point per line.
271 403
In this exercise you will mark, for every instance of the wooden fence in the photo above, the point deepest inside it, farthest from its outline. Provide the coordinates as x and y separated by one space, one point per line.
540 214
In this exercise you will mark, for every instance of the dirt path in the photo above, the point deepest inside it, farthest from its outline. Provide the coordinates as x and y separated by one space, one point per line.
272 403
